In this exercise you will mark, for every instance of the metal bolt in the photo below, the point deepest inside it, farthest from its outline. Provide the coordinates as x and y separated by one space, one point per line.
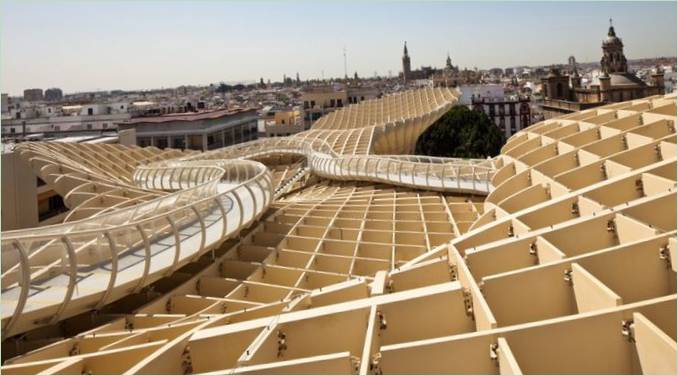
567 276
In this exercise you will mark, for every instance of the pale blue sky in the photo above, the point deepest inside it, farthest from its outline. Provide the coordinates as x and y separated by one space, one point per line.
81 45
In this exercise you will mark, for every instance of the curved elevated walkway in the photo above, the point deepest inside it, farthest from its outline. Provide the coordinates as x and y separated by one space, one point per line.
59 271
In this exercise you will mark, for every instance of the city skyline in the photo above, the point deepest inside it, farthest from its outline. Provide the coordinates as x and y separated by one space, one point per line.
132 46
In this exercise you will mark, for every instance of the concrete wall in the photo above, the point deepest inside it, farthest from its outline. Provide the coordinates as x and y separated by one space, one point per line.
19 193
127 137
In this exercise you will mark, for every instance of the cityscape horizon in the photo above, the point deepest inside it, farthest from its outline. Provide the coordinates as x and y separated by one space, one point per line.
102 50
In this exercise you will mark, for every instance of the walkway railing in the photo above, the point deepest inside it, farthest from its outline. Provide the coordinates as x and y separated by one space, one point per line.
58 271
416 171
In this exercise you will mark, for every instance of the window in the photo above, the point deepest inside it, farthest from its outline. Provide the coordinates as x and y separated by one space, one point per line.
161 142
90 111
57 128
179 143
312 103
339 103
89 127
11 130
283 121
559 90
122 107
332 103
104 125
305 104
50 207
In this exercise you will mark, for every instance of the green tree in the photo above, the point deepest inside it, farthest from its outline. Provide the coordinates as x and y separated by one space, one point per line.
461 133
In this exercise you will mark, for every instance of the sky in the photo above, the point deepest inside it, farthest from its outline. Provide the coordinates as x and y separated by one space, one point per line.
106 45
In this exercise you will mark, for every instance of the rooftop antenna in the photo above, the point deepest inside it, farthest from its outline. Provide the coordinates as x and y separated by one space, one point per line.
345 70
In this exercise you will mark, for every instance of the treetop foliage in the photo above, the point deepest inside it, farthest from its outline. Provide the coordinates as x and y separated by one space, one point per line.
461 133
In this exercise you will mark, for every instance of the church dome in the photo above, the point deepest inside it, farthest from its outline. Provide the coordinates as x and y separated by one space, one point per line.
611 37
621 79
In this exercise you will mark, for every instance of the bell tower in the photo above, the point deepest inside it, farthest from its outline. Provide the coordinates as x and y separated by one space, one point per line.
613 60
406 64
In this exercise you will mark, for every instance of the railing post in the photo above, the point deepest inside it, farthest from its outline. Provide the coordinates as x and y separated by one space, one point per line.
25 287
147 259
114 270
458 173
177 245
414 169
72 278
203 228
400 172
241 220
473 176
388 170
442 176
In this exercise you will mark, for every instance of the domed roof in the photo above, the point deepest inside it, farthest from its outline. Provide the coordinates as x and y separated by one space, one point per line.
621 79
611 36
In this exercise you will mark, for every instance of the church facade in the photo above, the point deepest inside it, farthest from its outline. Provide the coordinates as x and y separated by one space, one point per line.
564 93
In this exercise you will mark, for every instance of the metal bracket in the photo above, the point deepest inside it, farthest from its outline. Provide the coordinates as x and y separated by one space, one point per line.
186 361
282 343
468 302
533 248
494 352
355 364
75 350
382 320
567 276
639 187
453 272
627 330
375 367
664 254
611 226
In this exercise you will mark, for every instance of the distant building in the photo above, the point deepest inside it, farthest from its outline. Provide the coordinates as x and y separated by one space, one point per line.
33 95
486 91
204 130
356 93
53 94
508 114
564 94
5 103
320 100
284 123
51 121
